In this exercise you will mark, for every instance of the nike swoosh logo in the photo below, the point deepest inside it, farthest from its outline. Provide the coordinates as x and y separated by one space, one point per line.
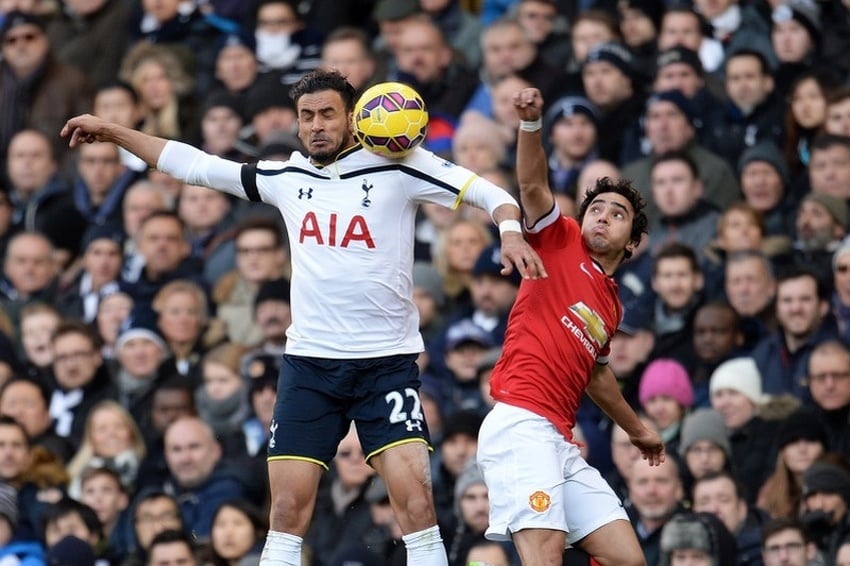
584 268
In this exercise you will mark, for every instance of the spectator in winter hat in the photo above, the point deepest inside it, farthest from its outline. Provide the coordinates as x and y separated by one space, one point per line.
457 451
609 81
796 31
665 394
736 393
699 538
735 390
471 509
765 181
429 298
572 124
236 64
826 500
273 314
704 443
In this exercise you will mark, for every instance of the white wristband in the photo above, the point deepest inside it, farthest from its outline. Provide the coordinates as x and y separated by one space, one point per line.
530 126
510 226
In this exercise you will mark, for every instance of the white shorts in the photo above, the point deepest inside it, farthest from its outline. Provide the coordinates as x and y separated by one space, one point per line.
538 480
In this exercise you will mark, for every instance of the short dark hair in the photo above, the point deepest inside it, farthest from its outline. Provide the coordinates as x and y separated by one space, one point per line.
780 524
319 80
796 272
624 188
716 475
759 56
171 536
157 214
258 520
723 305
677 250
67 327
42 389
108 471
118 84
261 223
6 420
828 141
676 155
68 506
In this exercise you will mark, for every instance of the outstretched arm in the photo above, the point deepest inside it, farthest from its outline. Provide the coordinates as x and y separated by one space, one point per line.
531 167
88 129
179 160
604 391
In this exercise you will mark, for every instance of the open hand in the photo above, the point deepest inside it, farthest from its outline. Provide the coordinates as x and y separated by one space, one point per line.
529 104
517 253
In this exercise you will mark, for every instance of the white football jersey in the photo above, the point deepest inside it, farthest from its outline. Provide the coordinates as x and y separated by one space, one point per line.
350 227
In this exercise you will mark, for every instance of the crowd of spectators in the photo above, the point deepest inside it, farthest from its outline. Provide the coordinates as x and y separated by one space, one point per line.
143 320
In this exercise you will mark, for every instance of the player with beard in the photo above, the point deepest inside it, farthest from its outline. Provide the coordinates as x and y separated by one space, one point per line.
354 339
543 494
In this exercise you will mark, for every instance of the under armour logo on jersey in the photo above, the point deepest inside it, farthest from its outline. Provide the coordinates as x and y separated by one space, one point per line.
272 430
411 424
366 188
305 193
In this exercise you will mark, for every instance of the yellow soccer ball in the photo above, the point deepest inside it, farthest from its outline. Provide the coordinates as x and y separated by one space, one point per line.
390 119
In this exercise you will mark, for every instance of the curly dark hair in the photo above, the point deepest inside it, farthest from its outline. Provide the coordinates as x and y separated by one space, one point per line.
319 80
624 188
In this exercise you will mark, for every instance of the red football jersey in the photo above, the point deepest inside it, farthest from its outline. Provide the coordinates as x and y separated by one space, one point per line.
559 328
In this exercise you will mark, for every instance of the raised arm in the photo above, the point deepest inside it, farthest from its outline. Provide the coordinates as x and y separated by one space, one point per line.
179 160
89 129
531 167
604 391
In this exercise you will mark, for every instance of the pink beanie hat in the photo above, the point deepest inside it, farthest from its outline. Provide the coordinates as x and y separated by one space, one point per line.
666 377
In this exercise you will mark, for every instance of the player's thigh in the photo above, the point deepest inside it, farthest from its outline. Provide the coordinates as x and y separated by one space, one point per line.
614 544
522 458
387 408
592 504
294 484
406 471
309 416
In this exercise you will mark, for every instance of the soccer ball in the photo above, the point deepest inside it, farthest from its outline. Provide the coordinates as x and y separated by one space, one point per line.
390 119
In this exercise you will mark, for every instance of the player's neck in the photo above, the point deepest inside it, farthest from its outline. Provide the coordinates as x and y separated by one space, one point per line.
608 263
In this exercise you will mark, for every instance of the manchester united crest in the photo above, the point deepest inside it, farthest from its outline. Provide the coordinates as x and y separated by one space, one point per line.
539 501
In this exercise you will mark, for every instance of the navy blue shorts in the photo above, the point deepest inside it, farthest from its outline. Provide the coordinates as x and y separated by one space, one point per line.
317 398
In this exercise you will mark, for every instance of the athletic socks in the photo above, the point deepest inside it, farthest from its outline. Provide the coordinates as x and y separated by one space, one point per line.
425 548
281 549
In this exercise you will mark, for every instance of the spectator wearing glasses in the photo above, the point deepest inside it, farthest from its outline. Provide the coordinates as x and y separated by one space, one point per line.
784 543
261 255
52 90
829 387
81 379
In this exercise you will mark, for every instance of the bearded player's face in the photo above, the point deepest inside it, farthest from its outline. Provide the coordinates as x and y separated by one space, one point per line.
324 126
607 224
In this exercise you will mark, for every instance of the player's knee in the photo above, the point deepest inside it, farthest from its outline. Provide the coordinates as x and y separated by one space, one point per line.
419 509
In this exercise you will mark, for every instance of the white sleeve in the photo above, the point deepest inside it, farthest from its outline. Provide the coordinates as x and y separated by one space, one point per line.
487 196
193 166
